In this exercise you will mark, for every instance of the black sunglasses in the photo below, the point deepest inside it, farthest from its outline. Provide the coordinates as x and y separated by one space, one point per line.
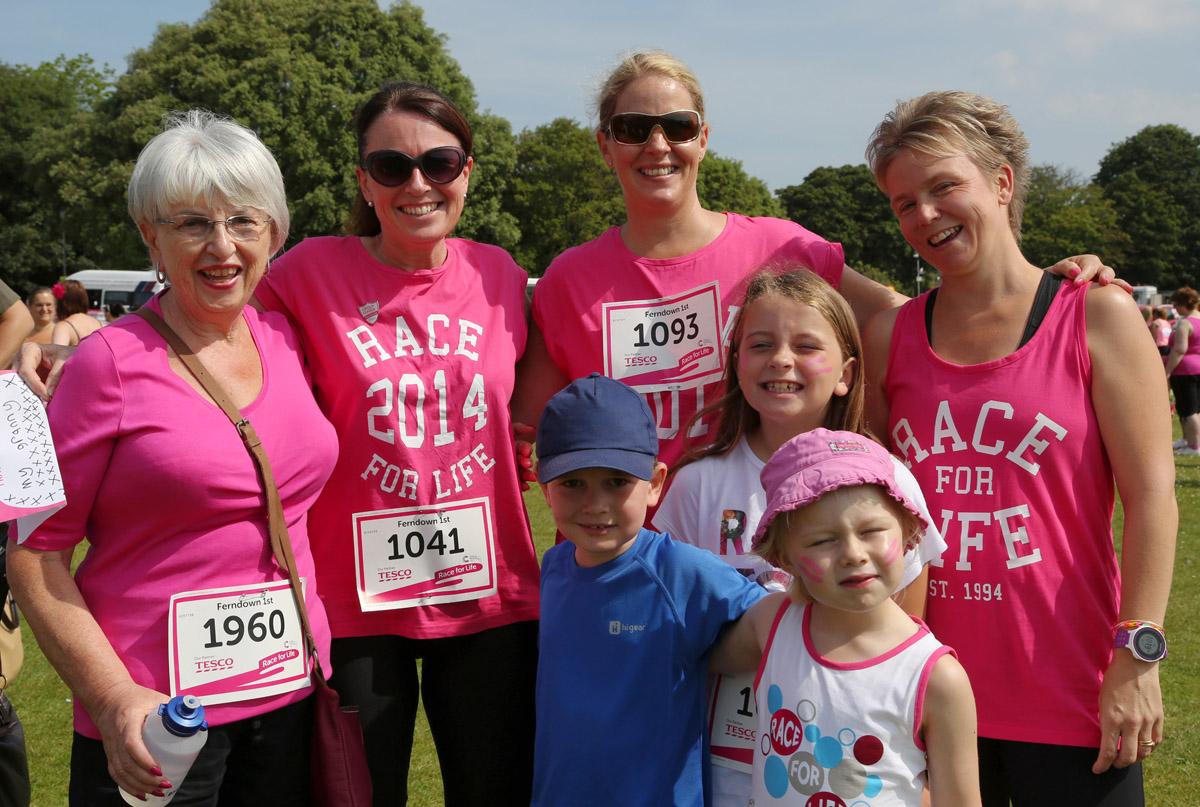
635 128
391 168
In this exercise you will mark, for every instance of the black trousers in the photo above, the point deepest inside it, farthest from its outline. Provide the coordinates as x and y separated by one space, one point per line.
1037 775
257 762
479 697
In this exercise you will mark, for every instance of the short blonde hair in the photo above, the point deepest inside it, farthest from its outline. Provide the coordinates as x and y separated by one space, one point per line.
633 67
942 124
770 548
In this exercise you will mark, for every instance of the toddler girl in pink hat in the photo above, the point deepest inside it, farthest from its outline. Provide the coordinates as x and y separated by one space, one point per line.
856 698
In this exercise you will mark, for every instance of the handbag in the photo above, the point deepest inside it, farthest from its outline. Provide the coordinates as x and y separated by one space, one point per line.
338 757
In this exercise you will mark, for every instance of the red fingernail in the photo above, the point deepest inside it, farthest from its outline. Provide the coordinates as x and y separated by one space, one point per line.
1073 272
165 785
156 771
159 793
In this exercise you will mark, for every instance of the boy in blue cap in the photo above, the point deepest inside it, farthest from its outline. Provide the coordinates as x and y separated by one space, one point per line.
628 615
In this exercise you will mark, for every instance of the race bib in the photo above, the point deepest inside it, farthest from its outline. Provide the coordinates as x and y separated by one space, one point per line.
668 343
236 643
422 555
731 721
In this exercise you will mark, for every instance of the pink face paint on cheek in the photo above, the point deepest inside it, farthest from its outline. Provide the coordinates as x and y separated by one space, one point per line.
891 553
811 569
817 365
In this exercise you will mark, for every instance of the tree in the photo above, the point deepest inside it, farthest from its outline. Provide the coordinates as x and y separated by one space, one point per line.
45 108
294 71
1066 216
561 192
1153 181
724 185
845 205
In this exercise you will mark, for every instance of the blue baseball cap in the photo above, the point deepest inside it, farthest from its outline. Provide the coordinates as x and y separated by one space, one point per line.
596 422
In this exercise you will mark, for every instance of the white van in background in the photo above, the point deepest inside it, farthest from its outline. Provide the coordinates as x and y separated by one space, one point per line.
130 288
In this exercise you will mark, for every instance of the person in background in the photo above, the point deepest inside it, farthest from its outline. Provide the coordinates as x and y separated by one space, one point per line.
1017 400
74 322
16 323
1160 326
42 307
1183 369
166 599
114 311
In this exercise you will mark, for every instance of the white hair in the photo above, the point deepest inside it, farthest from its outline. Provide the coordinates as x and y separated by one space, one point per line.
199 155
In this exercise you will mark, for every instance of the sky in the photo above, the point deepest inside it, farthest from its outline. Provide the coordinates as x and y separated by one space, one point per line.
789 85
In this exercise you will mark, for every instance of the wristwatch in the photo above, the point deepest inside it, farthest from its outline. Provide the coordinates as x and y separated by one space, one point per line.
1145 640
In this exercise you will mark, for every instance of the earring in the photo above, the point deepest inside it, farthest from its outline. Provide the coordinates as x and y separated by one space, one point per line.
370 204
160 274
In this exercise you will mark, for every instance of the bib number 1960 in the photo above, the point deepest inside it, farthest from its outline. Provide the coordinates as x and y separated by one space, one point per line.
236 643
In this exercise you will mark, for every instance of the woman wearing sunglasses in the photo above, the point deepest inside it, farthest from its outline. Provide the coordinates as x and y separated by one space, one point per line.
421 539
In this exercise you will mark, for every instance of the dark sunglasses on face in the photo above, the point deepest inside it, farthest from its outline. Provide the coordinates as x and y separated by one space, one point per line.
440 165
635 128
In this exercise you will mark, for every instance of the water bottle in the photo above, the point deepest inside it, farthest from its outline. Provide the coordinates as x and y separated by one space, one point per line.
174 736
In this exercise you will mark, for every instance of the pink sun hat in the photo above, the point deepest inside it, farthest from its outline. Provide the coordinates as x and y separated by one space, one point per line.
810 465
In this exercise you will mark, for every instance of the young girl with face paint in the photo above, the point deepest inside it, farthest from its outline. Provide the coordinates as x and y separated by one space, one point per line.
793 366
856 699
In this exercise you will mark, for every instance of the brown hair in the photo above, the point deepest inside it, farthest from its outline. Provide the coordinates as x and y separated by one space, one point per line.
738 418
401 96
1186 297
633 67
941 124
74 299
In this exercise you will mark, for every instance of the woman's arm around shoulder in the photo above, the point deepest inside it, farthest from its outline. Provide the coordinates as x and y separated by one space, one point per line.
866 297
948 725
1129 394
877 341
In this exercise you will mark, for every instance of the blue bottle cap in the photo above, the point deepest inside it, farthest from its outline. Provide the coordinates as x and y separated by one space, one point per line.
183 715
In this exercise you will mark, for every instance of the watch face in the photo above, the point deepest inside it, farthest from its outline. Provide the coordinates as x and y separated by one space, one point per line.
1149 644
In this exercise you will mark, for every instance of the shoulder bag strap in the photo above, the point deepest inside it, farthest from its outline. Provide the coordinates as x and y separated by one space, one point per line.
281 544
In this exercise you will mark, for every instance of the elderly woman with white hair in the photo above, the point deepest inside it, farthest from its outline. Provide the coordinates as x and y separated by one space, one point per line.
179 591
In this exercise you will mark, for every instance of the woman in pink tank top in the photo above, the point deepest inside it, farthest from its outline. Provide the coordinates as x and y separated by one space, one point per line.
1016 400
1183 369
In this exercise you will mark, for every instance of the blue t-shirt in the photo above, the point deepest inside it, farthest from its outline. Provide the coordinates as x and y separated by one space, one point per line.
622 672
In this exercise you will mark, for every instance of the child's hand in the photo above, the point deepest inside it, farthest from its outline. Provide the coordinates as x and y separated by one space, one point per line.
523 437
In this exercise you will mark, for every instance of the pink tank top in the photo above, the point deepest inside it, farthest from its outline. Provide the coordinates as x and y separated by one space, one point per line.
1010 458
1190 363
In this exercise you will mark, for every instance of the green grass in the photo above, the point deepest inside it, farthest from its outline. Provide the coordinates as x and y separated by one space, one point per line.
45 708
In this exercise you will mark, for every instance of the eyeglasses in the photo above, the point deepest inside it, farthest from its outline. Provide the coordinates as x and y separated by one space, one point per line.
440 166
199 228
635 128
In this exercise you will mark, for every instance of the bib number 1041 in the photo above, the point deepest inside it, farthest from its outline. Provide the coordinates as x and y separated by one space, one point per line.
415 544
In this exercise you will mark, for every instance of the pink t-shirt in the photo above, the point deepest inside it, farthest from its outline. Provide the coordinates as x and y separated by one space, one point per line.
1190 363
163 487
661 324
415 370
1012 463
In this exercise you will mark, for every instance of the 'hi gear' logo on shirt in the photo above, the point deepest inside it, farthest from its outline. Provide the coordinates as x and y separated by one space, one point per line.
616 628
